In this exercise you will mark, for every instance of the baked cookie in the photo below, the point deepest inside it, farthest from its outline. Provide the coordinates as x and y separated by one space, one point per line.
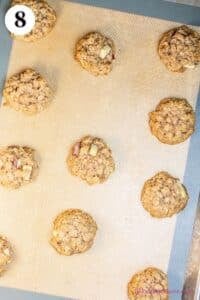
45 19
149 284
95 53
173 121
27 92
179 49
73 232
17 166
6 254
163 195
91 160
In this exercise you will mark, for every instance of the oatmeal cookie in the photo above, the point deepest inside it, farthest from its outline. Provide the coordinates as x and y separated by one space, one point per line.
45 19
91 160
73 232
163 195
149 284
173 121
179 49
27 92
6 254
17 166
95 53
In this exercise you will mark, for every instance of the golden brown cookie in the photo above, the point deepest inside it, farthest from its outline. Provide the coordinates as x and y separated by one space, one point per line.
73 232
179 49
95 53
91 160
17 166
149 284
45 19
6 254
173 121
27 92
163 195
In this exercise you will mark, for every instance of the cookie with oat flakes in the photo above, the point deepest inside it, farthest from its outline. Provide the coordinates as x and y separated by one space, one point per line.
73 232
179 49
18 166
149 284
6 254
27 92
91 160
163 195
45 19
95 53
173 121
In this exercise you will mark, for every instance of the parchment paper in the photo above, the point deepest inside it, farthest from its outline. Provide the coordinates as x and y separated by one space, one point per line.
115 108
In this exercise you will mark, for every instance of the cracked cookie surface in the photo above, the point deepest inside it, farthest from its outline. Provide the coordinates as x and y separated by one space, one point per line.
6 254
73 232
17 166
45 19
91 160
173 121
179 49
95 53
163 195
149 284
27 92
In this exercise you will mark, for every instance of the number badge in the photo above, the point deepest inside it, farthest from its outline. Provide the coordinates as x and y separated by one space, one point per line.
20 20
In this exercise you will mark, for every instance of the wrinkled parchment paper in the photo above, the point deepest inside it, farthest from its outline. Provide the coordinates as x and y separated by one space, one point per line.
115 108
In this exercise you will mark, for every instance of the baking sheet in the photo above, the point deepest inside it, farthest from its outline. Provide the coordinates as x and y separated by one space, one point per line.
192 283
115 108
